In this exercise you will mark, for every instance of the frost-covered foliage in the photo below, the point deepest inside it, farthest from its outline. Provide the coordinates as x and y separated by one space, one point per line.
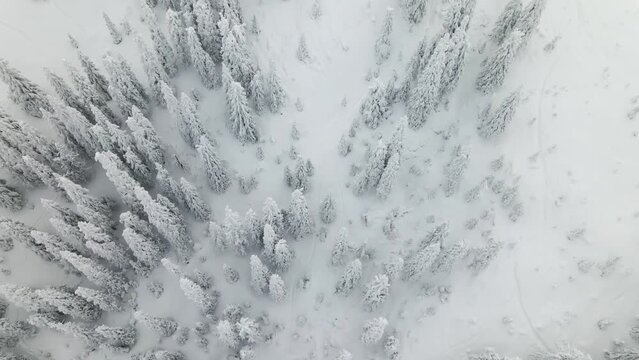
241 121
10 198
162 326
350 278
216 170
506 21
374 330
23 92
299 222
375 108
382 44
327 210
492 125
495 68
414 10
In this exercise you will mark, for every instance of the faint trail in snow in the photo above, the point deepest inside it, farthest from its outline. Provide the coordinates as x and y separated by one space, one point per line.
16 30
523 310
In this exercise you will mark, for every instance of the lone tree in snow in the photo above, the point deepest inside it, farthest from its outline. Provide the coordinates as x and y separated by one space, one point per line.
23 92
388 177
241 120
299 222
375 108
302 50
493 125
341 248
194 292
374 330
276 96
506 21
162 326
350 278
382 44
494 69
376 291
115 34
216 170
454 170
327 210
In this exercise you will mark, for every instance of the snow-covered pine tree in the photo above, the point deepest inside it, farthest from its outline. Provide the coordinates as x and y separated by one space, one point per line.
382 44
26 140
506 21
194 292
52 243
341 248
25 298
276 288
327 210
207 28
12 332
374 330
168 222
194 201
155 72
258 91
272 215
234 232
67 94
447 258
177 34
104 246
369 176
115 33
10 198
145 249
454 59
202 61
414 10
454 170
73 127
216 170
376 292
302 50
164 327
120 177
494 69
299 222
252 228
11 159
275 94
68 303
24 93
259 275
191 120
230 275
146 138
420 260
235 54
13 230
529 19
86 90
120 338
166 55
139 170
350 278
167 185
227 333
299 178
95 210
385 184
283 256
396 144
375 108
97 80
456 12
118 137
269 239
114 283
241 122
494 125
391 347
249 330
125 88
424 97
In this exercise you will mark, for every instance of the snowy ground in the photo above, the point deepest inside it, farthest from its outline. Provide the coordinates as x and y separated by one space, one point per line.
572 149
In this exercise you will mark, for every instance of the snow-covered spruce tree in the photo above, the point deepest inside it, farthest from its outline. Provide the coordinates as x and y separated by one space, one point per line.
145 249
385 184
164 327
376 292
494 69
155 72
234 232
327 210
96 79
272 215
207 28
202 61
341 248
165 53
145 137
11 159
302 50
375 108
350 278
456 11
194 201
259 275
115 33
26 139
194 292
235 54
249 330
13 230
124 86
448 257
25 298
167 185
120 177
299 222
68 303
65 222
420 260
101 299
230 275
177 35
396 143
494 125
67 94
78 330
86 90
73 127
191 119
52 243
455 57
96 211
118 137
275 94
391 347
414 10
454 170
216 170
10 198
529 19
276 288
369 176
506 21
120 338
104 246
424 97
139 170
24 93
269 239
382 44
258 91
283 257
299 178
168 223
115 283
227 333
252 228
241 122
374 330
11 332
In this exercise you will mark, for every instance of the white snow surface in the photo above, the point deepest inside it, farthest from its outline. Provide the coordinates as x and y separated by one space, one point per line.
571 148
